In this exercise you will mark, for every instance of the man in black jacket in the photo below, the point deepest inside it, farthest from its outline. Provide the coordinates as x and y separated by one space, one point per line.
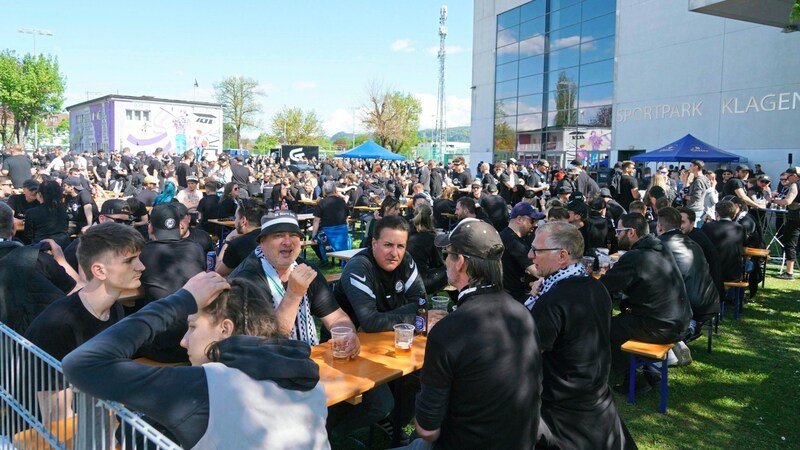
688 220
656 308
703 294
729 237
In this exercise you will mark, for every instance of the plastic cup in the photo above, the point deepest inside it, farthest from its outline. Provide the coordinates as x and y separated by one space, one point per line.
403 338
339 338
438 310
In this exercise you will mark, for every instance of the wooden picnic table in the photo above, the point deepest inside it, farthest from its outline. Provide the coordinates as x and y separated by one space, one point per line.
348 379
224 223
367 208
302 217
307 202
344 255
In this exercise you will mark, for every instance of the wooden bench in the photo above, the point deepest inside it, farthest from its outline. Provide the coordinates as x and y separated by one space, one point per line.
63 430
333 278
644 354
750 252
738 298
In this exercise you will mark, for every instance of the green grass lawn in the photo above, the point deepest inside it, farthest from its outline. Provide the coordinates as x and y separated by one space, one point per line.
744 395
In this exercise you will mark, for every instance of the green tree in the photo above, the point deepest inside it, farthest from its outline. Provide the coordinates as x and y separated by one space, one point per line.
229 136
239 97
393 117
295 126
31 89
795 15
566 96
63 126
265 143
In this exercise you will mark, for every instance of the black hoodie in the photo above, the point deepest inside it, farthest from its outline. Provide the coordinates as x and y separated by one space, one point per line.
177 397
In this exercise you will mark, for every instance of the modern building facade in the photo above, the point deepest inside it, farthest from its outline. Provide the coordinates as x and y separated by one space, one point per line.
612 78
144 123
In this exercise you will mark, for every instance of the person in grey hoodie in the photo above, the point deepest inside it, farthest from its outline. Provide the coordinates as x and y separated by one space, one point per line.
247 387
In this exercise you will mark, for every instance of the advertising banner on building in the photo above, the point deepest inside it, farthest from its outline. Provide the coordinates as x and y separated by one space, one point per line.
295 153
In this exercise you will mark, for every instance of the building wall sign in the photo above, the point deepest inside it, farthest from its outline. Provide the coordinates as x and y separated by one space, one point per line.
779 101
663 111
783 101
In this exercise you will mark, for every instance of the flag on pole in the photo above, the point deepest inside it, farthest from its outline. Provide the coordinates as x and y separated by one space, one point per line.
195 83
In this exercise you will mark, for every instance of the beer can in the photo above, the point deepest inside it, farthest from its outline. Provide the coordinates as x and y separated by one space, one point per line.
211 261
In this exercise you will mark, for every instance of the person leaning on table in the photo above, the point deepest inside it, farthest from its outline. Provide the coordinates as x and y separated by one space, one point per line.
248 386
481 379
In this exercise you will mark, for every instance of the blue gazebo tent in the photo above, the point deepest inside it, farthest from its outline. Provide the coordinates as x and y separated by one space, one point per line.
371 150
687 148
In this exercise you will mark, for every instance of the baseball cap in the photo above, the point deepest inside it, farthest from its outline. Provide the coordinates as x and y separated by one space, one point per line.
605 192
477 183
578 207
166 222
150 180
239 158
743 167
278 222
492 187
564 190
791 170
525 209
474 238
192 178
74 182
115 206
31 184
512 161
576 162
765 178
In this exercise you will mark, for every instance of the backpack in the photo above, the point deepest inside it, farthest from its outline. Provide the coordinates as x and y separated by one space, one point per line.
24 290
615 185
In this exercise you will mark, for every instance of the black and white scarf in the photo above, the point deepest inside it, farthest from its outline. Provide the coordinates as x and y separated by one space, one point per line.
304 328
573 270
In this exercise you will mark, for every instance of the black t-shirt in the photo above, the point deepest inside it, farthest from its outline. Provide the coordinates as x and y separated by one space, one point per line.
42 222
182 170
460 181
496 210
201 237
101 166
626 183
147 196
240 174
227 208
331 211
66 324
19 169
75 208
168 266
732 185
154 165
239 248
20 206
515 261
208 209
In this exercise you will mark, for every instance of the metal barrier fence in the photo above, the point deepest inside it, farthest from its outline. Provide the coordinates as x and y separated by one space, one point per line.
39 409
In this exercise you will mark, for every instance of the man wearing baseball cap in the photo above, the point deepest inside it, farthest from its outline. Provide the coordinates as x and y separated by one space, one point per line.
737 185
489 339
518 270
24 201
80 205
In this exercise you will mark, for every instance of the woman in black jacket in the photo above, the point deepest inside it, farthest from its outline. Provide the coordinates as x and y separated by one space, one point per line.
420 245
48 220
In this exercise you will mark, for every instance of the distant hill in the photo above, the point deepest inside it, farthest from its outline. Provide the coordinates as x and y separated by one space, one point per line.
455 134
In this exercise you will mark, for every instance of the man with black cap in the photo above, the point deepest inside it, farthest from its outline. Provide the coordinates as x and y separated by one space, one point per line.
509 182
495 207
170 261
190 196
517 267
537 181
572 312
583 182
81 207
578 212
613 209
599 229
564 192
21 203
737 186
490 339
112 210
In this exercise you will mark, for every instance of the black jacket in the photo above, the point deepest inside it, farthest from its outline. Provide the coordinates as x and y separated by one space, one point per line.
650 278
700 288
729 238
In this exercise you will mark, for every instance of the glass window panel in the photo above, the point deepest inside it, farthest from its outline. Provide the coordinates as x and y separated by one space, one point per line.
505 89
128 114
529 104
505 108
146 116
137 115
563 58
565 37
594 8
599 116
562 118
531 85
532 46
565 99
508 53
506 72
554 78
508 36
598 94
597 50
558 4
531 28
599 72
508 19
532 9
531 66
565 17
505 133
529 122
599 27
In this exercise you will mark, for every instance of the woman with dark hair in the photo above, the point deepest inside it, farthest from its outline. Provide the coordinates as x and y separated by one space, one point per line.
229 201
389 207
248 387
48 220
444 204
420 245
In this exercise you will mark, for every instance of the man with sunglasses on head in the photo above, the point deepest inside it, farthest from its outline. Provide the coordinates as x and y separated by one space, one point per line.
112 210
481 378
656 307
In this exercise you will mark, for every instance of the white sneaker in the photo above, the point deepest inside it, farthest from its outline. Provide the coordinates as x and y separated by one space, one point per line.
672 360
683 354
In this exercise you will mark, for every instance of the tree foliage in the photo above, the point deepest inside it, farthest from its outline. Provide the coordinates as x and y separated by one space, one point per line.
393 117
31 89
795 15
294 126
239 97
566 99
265 142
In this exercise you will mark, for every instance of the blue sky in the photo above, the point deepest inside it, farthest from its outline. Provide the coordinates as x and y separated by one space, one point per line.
317 55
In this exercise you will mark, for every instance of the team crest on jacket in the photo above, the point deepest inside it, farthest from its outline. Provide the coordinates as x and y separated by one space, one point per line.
398 286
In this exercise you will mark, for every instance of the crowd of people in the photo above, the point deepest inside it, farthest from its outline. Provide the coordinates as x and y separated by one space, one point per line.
519 245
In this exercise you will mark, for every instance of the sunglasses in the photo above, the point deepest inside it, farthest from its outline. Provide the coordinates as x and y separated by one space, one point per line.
7 184
122 221
534 250
448 252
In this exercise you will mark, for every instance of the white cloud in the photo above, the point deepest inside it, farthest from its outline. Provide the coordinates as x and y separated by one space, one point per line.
451 50
458 111
342 120
304 85
402 45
